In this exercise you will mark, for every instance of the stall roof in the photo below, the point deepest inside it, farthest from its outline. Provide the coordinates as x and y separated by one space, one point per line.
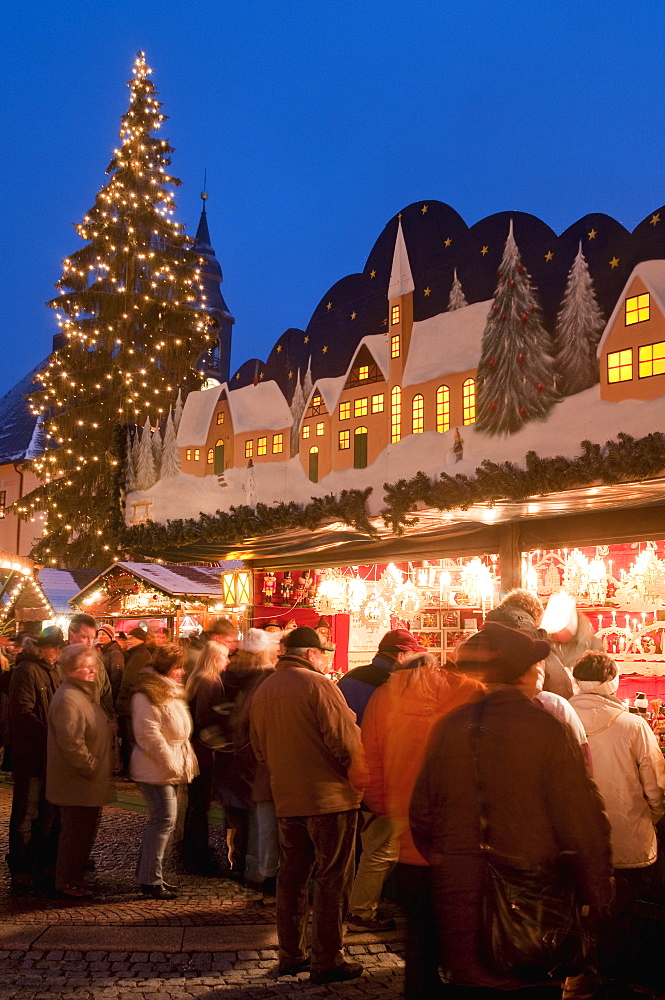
177 581
61 585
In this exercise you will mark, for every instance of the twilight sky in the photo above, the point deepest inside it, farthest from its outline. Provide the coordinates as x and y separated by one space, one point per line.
316 122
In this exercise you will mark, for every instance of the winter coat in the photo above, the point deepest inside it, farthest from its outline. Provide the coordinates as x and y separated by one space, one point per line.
202 708
79 756
558 678
162 728
31 689
629 770
540 801
396 726
136 661
236 764
305 732
584 639
359 684
113 659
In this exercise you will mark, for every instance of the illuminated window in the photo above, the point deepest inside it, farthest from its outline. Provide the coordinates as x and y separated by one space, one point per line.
277 444
652 359
394 346
360 448
313 465
469 401
344 440
306 431
395 414
188 455
363 373
620 366
242 589
197 454
418 414
344 411
320 429
637 309
249 449
377 403
210 457
262 446
442 409
316 400
3 502
360 407
228 589
394 315
220 418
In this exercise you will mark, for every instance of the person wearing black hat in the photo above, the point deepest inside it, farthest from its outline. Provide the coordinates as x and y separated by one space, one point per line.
506 757
305 732
33 829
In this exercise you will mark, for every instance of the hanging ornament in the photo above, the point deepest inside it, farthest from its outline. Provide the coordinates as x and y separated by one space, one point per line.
375 613
524 317
520 359
522 411
491 362
356 592
409 600
391 582
540 386
331 593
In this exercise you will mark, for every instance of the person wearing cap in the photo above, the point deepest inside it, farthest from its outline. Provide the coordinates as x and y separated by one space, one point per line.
33 830
538 798
380 850
112 657
301 726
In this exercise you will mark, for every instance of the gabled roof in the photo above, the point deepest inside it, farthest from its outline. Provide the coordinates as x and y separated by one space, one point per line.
330 389
377 345
197 416
61 585
652 273
19 428
259 407
446 343
177 581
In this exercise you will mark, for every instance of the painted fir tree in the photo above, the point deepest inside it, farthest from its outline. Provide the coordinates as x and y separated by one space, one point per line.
146 474
170 454
457 298
516 382
579 326
132 329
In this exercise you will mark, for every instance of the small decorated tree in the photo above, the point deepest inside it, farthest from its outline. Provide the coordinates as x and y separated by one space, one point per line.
516 381
579 326
457 298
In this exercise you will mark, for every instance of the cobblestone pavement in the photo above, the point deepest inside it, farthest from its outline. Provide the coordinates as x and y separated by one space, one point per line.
216 938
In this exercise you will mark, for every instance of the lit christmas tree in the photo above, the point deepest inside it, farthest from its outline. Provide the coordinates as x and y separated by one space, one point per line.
516 372
132 331
579 326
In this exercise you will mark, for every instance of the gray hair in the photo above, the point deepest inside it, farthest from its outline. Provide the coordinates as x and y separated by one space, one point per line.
70 656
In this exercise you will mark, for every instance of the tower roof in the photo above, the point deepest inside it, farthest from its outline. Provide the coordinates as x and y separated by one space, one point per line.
401 279
203 233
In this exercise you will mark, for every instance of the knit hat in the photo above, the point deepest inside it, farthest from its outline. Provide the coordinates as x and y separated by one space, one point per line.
51 636
400 641
304 637
138 633
108 629
503 654
257 641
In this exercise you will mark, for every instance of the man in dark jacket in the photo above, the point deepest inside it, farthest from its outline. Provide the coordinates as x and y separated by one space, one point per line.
379 850
112 657
33 834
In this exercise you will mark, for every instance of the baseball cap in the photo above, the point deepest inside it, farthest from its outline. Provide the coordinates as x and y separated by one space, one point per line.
400 641
304 637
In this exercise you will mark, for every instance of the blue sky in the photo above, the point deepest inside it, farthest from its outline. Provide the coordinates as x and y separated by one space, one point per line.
316 122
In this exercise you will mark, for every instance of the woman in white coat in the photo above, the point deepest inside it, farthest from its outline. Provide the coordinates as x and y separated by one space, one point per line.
162 758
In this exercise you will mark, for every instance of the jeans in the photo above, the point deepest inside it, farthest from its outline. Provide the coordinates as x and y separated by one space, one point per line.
162 802
325 845
266 822
379 856
33 829
79 825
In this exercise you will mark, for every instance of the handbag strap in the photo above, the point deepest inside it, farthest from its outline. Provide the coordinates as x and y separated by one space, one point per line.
476 730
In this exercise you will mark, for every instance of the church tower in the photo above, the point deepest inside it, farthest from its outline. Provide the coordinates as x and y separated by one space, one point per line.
217 361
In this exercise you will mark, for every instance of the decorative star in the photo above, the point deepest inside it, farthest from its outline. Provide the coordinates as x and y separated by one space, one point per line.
614 262
549 255
592 235
279 348
238 375
372 274
654 219
424 209
306 340
485 250
324 349
447 242
329 305
427 292
290 374
261 375
354 314
399 216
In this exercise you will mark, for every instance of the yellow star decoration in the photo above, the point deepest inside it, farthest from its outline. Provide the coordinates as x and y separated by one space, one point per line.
353 315
238 375
614 262
290 374
654 219
279 348
372 274
592 235
485 250
324 349
427 292
447 242
424 209
549 255
261 375
329 305
306 340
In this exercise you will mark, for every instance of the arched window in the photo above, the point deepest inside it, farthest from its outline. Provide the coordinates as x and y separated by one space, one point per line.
443 409
395 414
314 465
469 401
360 448
418 414
210 457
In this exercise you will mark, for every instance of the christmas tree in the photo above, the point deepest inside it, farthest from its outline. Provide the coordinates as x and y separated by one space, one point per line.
132 331
516 372
579 326
170 454
457 298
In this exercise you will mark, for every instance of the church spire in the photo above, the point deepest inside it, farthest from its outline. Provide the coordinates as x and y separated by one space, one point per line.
203 233
215 362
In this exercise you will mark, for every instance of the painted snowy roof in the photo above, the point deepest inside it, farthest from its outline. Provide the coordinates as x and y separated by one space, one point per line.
652 273
202 581
61 585
259 407
448 342
197 416
19 428
330 389
377 345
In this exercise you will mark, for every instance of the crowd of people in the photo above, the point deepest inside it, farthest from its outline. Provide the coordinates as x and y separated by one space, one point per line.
516 749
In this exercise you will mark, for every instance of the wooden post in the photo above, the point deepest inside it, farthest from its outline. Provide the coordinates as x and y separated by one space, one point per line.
510 557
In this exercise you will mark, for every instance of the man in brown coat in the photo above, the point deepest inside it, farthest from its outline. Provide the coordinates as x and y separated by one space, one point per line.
303 729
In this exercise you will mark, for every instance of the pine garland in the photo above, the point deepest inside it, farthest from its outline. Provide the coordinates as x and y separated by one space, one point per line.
625 460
